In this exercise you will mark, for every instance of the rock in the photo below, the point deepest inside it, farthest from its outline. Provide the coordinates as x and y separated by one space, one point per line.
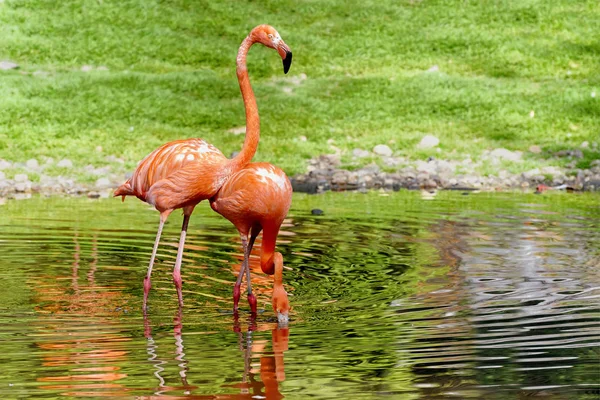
86 68
569 153
32 164
423 166
585 145
103 183
2 176
433 68
535 149
428 142
237 131
7 65
5 164
316 211
592 185
21 178
360 153
65 163
383 150
93 195
505 154
550 170
392 161
22 187
302 138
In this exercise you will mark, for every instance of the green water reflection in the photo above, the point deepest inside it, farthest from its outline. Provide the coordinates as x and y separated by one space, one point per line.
393 295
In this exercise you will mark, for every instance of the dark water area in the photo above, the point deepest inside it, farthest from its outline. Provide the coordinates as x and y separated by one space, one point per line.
393 296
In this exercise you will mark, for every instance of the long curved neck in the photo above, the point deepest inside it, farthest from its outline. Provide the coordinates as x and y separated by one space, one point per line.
278 276
252 119
267 251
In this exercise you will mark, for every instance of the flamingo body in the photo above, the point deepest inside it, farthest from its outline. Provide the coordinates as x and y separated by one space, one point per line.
258 195
257 198
178 174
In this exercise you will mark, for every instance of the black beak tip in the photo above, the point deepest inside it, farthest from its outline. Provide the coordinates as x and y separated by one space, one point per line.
287 62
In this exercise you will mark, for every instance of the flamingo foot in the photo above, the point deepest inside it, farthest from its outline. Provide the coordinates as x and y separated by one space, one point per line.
252 302
236 298
178 284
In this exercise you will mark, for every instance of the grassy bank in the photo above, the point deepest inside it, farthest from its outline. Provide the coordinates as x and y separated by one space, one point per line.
162 70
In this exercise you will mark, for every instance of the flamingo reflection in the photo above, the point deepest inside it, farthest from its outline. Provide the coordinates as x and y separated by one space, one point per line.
90 360
258 381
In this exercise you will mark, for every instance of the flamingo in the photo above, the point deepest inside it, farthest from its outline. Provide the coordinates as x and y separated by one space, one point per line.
182 173
258 198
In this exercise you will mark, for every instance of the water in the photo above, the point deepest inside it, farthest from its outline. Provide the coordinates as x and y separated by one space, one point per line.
393 296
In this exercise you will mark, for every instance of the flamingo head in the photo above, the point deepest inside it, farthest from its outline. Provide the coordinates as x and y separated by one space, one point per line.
281 305
268 36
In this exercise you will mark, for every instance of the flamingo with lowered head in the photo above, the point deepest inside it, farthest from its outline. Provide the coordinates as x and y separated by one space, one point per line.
182 173
257 198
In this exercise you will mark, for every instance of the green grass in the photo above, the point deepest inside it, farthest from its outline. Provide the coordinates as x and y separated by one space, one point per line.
171 74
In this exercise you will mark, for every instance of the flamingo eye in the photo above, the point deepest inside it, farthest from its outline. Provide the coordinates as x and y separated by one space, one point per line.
270 35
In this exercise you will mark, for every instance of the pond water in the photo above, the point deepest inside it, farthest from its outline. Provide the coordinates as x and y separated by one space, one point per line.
393 295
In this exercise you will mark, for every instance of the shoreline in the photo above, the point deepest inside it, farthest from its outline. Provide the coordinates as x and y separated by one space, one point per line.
325 173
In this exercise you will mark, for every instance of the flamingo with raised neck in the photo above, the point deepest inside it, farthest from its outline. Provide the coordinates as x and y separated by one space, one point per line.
182 173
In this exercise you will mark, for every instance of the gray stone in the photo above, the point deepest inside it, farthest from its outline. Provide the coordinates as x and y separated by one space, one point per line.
21 178
93 195
6 65
22 187
32 164
65 163
535 149
360 153
103 183
87 68
2 176
237 131
434 68
383 150
428 142
505 154
423 166
5 164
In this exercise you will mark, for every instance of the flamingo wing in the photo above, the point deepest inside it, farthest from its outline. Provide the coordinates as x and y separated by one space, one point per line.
171 158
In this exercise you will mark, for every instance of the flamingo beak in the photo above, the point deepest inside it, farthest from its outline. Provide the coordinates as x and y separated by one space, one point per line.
287 62
286 55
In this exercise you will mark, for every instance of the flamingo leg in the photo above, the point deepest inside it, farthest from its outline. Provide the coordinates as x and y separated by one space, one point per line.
238 282
177 269
147 283
251 297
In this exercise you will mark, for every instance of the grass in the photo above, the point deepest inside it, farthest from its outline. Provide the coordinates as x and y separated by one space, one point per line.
164 70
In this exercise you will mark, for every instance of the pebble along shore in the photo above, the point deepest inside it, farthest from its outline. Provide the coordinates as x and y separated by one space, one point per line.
323 173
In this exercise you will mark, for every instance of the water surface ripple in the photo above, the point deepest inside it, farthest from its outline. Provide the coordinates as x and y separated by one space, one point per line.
393 295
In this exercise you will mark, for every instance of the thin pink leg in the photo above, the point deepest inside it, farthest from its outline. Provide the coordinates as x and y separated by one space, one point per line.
238 282
251 297
177 269
147 284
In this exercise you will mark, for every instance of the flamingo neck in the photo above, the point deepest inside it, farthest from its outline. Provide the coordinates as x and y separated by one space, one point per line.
252 118
267 252
278 277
